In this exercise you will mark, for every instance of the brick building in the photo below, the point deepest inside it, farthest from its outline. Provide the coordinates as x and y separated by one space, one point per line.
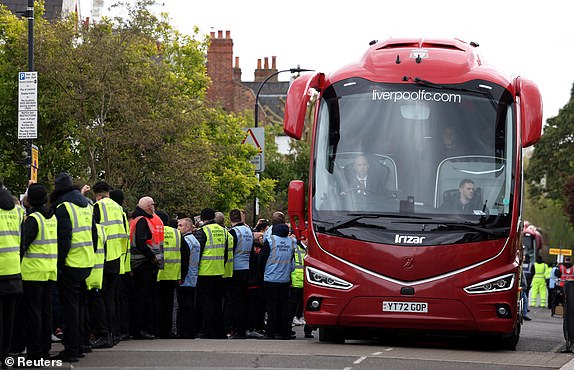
233 94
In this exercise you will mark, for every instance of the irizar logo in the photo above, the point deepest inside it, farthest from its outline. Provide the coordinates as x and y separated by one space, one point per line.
409 239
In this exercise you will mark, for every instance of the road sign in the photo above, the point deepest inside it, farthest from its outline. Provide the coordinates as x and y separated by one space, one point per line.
27 105
27 124
558 251
256 137
34 164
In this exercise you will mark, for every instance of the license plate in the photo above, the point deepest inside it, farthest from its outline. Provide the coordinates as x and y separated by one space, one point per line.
405 306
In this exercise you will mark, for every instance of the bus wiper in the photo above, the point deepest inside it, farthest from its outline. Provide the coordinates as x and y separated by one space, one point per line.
349 221
454 225
488 94
357 216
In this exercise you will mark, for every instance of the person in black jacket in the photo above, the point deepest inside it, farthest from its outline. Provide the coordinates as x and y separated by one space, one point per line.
35 315
71 280
144 265
10 284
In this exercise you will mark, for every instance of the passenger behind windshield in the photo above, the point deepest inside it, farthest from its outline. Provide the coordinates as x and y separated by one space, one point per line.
362 180
466 200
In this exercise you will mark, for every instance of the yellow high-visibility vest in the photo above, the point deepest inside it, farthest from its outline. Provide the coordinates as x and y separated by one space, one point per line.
172 255
96 278
40 262
211 262
81 254
9 242
112 219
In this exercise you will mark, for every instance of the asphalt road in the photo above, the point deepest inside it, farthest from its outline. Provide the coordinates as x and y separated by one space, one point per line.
539 348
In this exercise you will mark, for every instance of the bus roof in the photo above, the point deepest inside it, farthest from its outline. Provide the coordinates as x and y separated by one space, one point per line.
442 61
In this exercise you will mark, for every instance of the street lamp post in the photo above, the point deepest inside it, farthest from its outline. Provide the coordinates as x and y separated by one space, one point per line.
256 110
292 70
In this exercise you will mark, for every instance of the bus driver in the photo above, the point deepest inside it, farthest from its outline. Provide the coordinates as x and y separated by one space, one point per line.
466 201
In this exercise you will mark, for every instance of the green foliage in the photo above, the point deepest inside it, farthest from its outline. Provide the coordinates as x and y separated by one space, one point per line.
548 197
552 162
123 100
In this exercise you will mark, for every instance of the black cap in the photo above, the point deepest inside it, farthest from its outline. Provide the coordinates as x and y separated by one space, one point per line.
117 196
164 217
63 181
101 187
207 214
37 195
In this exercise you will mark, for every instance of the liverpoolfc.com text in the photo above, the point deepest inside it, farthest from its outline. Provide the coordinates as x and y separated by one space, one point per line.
419 95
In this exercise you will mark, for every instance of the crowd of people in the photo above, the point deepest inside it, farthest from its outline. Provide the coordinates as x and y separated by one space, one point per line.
543 285
83 269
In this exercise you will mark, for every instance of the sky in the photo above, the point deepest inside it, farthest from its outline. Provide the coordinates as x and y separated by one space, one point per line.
533 39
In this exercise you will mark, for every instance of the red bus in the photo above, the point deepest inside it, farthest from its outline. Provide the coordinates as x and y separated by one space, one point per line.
431 123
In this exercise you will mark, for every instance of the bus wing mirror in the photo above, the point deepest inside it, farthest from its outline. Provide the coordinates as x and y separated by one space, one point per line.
298 96
530 110
296 208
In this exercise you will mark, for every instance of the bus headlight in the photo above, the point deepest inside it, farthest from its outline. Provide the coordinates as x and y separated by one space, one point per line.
321 278
497 284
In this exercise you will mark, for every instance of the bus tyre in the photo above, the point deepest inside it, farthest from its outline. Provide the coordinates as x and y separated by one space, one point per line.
331 335
509 342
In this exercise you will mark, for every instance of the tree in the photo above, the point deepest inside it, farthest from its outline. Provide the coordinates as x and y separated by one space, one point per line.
549 196
123 100
552 161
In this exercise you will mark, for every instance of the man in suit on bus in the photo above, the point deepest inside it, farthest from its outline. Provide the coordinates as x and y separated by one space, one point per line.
363 180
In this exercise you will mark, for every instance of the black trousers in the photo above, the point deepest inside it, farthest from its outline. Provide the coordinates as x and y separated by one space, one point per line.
109 294
295 302
236 301
8 304
96 319
256 308
143 312
188 320
210 298
72 298
277 303
165 306
37 317
123 292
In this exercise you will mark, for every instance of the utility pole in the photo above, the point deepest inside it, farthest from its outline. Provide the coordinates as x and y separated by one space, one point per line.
30 16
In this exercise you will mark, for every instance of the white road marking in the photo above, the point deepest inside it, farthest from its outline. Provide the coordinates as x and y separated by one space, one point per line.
361 359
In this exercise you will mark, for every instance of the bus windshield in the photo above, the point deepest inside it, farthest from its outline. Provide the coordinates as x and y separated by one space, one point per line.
404 154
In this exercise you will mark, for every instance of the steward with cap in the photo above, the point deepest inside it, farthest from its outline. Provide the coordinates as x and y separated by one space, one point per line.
110 215
277 259
237 309
39 254
10 278
214 242
77 242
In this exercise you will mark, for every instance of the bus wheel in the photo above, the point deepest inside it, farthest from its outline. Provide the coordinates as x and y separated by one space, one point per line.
509 342
331 335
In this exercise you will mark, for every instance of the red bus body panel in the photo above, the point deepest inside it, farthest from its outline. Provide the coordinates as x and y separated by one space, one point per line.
438 274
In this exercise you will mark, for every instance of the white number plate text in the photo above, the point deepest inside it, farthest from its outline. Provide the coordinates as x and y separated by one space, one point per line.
405 306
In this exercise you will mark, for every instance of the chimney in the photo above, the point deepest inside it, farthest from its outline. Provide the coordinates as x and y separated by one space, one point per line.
236 71
262 73
220 68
